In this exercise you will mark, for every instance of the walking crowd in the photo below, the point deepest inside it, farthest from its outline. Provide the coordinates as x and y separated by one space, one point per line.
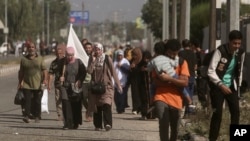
162 84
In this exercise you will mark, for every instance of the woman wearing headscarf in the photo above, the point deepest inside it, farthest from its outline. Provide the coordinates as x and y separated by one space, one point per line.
104 71
74 73
135 79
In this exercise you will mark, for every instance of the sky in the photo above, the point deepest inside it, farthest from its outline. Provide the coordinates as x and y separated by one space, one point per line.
114 10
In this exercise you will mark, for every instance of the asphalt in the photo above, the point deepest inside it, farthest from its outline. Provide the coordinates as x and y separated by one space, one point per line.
126 126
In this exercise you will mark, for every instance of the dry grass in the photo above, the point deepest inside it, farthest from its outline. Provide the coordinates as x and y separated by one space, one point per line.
199 123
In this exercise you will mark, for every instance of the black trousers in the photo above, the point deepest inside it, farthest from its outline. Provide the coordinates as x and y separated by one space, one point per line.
72 113
168 117
202 90
103 115
32 102
217 100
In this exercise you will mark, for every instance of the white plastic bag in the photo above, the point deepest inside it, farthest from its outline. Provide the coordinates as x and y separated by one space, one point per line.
44 102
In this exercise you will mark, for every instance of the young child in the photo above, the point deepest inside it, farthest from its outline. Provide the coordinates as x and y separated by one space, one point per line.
163 64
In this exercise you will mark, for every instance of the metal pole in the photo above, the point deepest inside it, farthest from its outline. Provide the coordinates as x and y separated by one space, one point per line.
174 19
182 20
187 22
212 29
165 28
218 23
83 36
48 21
6 22
43 28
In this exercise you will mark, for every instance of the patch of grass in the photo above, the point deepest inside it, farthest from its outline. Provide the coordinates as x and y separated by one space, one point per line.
200 122
10 61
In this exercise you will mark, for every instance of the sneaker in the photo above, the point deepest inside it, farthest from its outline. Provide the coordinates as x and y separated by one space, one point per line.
37 120
191 108
107 127
26 119
134 112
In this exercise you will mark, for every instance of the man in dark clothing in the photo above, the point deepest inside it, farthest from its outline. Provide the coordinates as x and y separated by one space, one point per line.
56 71
189 55
225 73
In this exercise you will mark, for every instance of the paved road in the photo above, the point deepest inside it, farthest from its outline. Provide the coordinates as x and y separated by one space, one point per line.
126 127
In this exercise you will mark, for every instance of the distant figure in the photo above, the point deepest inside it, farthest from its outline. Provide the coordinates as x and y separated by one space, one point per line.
86 99
188 54
135 79
121 65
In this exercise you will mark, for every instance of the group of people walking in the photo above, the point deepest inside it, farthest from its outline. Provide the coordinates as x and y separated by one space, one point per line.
165 81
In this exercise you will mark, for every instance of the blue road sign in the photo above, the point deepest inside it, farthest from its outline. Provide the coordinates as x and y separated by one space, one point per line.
79 17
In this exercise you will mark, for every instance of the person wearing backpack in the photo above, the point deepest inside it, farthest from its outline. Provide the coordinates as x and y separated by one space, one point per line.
225 72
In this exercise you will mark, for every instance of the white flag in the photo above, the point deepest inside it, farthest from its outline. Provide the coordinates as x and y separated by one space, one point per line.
73 41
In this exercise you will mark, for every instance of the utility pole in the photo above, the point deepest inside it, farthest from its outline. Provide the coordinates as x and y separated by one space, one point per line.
218 23
187 23
185 20
48 22
83 29
174 19
6 30
43 16
233 13
165 28
212 28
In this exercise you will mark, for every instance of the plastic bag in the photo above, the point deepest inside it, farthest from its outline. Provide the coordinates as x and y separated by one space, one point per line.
19 98
44 102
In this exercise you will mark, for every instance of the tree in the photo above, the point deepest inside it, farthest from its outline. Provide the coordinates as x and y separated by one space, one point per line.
25 17
152 16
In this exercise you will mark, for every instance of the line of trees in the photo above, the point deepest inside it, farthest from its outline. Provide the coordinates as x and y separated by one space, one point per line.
199 18
27 18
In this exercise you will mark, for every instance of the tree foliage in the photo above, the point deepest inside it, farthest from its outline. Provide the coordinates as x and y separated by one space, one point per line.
26 17
197 24
199 18
152 16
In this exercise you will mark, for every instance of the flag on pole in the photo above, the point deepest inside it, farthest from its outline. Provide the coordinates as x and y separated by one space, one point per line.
73 41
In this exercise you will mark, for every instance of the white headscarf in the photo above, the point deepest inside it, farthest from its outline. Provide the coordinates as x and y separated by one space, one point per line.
100 59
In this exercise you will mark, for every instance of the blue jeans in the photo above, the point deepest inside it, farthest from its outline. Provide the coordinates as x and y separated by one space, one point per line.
168 116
